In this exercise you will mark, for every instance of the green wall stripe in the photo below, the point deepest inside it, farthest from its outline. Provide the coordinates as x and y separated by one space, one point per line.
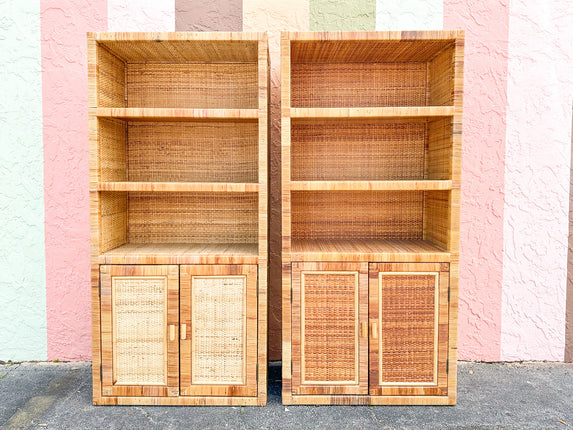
22 252
339 15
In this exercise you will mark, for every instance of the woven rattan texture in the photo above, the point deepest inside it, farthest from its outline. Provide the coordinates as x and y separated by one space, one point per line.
437 218
210 151
113 210
358 85
330 338
357 150
181 51
407 328
139 327
111 80
192 85
441 79
218 317
357 215
439 149
366 51
193 218
112 149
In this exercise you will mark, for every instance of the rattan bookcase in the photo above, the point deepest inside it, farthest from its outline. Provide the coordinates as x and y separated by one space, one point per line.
178 126
371 161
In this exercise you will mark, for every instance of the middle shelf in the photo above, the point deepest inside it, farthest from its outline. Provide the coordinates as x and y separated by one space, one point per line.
213 151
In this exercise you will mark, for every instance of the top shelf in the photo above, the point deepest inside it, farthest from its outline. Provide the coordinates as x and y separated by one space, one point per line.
372 112
154 114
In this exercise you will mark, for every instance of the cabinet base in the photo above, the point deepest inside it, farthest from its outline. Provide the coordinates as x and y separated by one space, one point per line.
181 401
368 400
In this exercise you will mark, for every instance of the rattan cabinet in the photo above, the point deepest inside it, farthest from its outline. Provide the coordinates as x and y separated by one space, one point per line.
371 164
178 194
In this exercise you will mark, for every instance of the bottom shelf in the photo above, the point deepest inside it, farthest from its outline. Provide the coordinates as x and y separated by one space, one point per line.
182 253
368 250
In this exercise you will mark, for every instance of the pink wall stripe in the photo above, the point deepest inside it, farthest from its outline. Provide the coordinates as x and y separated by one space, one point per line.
481 236
540 94
64 91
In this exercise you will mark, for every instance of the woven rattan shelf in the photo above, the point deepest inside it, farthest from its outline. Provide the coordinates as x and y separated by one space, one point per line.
213 187
371 146
368 250
178 126
372 112
182 253
404 185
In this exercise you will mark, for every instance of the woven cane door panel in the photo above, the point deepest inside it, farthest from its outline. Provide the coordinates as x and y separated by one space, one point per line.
139 326
218 329
327 317
139 320
218 309
405 328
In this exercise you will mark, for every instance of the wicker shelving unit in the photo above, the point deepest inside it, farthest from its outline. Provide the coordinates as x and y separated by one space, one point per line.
178 127
371 163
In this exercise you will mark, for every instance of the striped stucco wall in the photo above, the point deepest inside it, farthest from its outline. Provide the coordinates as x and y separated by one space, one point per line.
516 165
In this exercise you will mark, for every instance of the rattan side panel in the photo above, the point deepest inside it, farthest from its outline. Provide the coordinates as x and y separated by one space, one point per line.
110 79
357 150
112 149
439 149
357 215
358 85
437 217
192 85
113 220
193 218
218 323
139 327
408 327
441 78
193 151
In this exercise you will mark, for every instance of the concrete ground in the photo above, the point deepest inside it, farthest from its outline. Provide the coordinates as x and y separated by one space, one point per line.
491 396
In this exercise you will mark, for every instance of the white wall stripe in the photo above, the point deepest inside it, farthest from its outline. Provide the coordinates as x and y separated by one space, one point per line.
537 169
141 15
409 15
23 333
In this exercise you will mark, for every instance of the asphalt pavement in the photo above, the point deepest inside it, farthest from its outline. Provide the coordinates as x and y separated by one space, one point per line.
490 396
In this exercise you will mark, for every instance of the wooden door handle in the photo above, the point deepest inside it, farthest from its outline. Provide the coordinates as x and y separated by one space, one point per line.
171 333
374 329
364 329
183 331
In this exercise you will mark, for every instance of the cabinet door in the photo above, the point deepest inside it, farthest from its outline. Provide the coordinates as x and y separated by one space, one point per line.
219 330
408 328
139 321
330 328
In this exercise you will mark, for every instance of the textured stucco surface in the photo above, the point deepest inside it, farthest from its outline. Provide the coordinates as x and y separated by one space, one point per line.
272 16
481 230
22 274
514 195
64 89
140 15
538 148
343 15
409 15
213 15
